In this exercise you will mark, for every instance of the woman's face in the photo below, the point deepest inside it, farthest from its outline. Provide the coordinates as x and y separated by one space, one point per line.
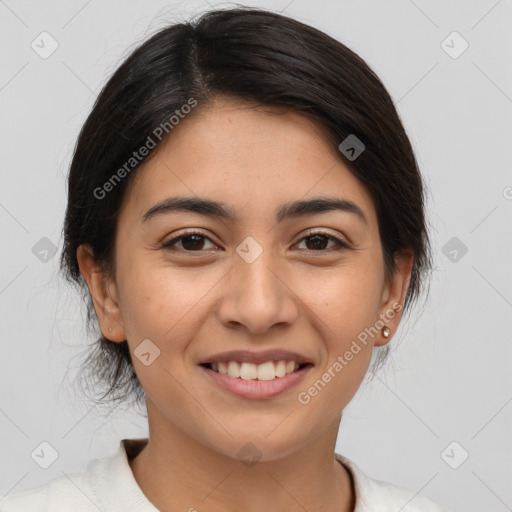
274 275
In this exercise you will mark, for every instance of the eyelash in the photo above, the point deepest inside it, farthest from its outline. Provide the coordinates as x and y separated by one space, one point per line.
341 245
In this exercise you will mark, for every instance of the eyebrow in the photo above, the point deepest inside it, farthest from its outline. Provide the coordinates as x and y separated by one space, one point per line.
286 211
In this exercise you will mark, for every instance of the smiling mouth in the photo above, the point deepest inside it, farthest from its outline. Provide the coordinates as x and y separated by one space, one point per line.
269 370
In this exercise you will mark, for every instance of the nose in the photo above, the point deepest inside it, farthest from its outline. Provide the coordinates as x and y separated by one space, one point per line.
257 296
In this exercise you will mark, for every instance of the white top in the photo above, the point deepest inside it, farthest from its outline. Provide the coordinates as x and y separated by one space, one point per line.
108 485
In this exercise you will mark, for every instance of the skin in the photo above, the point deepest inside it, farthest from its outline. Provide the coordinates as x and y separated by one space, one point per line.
293 296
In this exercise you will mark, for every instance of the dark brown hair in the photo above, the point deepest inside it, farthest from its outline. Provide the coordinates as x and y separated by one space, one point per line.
266 59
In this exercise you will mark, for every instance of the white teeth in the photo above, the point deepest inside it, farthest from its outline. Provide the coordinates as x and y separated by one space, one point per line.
249 371
234 369
266 371
281 368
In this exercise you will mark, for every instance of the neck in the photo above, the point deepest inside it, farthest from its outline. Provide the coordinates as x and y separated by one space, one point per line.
176 472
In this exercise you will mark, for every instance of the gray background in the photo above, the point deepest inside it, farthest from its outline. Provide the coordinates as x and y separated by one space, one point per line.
449 375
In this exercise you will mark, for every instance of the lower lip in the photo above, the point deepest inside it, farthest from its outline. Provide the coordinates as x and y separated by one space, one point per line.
257 389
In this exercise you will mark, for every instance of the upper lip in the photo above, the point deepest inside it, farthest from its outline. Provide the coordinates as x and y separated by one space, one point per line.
246 356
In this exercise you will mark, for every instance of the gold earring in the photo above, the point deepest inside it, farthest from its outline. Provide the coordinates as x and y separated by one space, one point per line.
386 332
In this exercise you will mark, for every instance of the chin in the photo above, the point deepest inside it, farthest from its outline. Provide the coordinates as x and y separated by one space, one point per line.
259 445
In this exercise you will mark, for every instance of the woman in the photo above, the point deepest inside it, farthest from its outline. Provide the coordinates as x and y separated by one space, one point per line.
247 214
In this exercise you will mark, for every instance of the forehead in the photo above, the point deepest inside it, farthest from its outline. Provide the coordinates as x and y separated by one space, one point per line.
246 156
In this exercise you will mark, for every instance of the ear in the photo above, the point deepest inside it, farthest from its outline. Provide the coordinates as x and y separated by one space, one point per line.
393 296
104 295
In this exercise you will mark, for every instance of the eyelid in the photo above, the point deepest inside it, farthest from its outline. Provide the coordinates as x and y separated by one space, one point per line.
325 232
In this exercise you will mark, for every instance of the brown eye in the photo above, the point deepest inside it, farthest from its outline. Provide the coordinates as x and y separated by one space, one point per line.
190 242
318 242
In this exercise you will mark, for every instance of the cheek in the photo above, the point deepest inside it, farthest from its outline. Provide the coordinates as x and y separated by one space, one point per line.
163 303
346 307
346 300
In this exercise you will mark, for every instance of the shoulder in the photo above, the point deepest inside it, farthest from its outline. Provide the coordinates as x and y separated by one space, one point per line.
378 496
62 494
106 484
